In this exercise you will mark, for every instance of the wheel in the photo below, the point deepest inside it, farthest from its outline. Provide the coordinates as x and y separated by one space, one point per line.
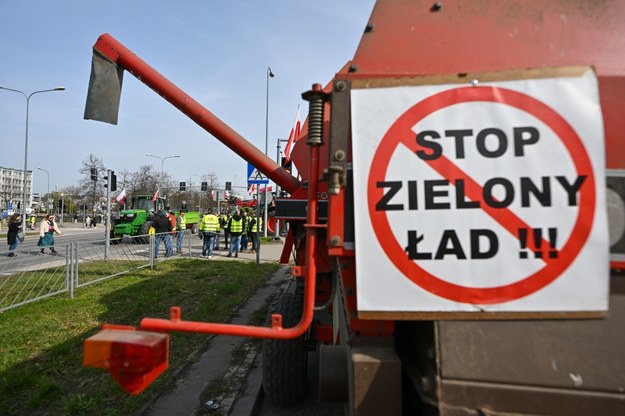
285 361
194 229
145 231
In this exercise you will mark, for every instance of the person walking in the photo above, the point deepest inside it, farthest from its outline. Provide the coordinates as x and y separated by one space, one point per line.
31 222
235 225
181 226
209 227
46 234
256 224
15 226
162 228
245 221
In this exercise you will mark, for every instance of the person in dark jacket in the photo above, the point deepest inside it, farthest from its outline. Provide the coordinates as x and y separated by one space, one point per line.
15 226
162 227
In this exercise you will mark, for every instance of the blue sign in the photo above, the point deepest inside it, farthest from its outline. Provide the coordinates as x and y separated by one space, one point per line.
254 176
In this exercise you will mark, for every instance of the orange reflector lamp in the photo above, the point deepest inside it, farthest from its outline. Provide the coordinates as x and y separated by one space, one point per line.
133 358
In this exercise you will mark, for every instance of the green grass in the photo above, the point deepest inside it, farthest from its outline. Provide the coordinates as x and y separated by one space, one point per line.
41 343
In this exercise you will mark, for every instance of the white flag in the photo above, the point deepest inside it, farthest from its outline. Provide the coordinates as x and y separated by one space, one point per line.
121 198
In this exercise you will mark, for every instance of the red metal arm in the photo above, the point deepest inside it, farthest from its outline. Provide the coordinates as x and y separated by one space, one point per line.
117 53
276 331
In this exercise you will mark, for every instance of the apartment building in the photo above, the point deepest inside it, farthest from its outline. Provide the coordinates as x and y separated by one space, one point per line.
12 186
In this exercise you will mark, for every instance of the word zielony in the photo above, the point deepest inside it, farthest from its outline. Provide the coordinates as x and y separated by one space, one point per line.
436 193
497 192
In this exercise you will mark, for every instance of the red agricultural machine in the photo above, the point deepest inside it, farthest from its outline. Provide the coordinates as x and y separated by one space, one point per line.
459 229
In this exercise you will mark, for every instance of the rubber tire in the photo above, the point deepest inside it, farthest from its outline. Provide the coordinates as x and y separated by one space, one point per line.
285 361
145 230
194 229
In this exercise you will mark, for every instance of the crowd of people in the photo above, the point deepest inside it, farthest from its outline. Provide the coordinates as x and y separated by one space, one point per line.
239 231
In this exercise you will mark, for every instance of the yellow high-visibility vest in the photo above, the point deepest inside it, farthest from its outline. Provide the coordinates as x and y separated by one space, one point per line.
210 223
257 225
236 226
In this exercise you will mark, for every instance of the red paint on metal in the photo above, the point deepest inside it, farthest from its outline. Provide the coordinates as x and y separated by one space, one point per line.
112 49
468 36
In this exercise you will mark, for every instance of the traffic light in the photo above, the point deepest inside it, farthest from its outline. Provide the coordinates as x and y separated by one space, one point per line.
94 174
183 186
113 178
228 186
204 186
287 165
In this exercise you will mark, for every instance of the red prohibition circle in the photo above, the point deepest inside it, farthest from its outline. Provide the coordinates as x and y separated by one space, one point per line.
401 132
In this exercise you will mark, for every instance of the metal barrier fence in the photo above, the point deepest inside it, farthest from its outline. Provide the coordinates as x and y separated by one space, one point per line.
28 276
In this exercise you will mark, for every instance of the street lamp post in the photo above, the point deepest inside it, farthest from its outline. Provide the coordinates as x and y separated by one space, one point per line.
162 158
27 97
48 194
270 74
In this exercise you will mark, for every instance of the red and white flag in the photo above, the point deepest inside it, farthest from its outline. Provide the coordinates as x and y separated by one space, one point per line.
292 136
121 198
261 189
252 189
156 195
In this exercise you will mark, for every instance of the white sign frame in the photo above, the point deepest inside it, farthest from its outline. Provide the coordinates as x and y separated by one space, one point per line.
387 283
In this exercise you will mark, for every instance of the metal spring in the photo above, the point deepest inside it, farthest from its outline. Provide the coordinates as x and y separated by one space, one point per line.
315 121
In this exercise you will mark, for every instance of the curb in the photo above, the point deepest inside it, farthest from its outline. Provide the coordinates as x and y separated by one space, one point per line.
250 400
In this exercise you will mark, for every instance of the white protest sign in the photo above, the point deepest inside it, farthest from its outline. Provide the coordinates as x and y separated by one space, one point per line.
487 197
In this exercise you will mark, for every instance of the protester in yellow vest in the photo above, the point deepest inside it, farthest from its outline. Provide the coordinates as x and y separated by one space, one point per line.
256 224
31 222
235 225
209 227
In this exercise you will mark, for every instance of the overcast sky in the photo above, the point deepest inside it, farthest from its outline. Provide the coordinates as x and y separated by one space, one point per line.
216 51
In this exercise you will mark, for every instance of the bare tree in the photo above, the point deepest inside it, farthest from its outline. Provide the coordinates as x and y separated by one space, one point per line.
213 185
94 189
71 196
144 181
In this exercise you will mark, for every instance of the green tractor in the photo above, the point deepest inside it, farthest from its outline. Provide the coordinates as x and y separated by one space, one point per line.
138 220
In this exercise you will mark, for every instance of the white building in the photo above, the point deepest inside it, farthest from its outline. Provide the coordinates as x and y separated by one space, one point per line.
12 187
